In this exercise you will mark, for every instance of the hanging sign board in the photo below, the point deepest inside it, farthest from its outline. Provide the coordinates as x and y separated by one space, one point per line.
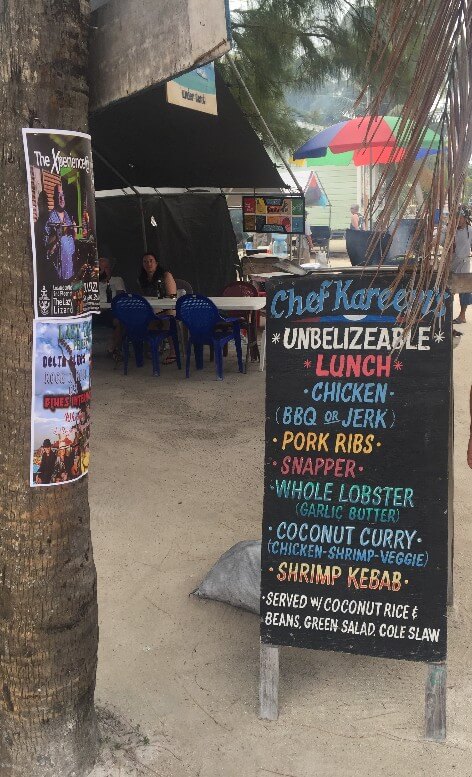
285 215
195 90
62 220
354 549
60 411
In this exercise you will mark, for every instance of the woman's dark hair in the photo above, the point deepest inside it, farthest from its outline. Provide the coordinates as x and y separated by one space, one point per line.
150 253
143 276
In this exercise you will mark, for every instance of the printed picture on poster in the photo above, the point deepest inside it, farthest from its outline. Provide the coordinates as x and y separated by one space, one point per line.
60 413
62 220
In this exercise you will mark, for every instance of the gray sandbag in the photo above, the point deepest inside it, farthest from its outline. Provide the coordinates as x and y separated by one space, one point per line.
236 577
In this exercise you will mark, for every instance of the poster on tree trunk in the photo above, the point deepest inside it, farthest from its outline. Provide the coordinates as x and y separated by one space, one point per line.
62 221
355 524
60 413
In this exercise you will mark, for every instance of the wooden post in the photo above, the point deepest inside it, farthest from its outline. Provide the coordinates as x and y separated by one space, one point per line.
435 702
269 682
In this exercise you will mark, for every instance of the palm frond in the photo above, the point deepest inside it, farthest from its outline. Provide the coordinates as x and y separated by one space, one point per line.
441 90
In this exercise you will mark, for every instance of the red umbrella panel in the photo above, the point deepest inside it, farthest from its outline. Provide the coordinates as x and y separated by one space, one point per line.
373 139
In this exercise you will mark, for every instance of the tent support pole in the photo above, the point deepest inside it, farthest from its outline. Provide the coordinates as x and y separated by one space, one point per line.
269 133
116 172
143 223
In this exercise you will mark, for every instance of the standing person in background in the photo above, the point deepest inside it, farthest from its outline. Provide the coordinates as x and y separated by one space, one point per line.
357 221
461 258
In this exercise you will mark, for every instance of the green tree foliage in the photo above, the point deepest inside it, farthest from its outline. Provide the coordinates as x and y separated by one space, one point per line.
283 47
468 186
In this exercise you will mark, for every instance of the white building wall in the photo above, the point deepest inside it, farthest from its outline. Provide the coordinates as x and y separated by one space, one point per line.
342 189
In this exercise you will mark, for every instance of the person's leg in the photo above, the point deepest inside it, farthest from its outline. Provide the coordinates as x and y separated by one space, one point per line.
117 336
159 324
464 299
171 357
101 323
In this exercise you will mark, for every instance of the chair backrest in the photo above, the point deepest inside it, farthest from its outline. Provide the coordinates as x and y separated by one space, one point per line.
320 234
185 285
198 313
239 289
405 237
134 312
358 246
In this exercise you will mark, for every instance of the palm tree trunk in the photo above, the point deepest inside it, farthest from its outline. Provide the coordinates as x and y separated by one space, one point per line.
48 609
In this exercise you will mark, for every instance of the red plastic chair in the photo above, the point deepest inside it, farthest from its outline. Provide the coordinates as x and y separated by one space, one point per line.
245 289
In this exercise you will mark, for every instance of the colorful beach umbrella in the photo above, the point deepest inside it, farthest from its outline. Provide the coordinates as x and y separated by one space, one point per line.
365 140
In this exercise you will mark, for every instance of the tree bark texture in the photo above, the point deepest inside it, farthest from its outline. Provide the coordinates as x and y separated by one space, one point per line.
48 602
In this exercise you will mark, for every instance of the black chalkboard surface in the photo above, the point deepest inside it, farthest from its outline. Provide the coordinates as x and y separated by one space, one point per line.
354 545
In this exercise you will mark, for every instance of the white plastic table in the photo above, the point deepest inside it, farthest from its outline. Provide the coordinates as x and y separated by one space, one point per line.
222 303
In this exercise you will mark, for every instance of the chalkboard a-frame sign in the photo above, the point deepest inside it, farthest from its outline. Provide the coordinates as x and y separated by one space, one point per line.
354 545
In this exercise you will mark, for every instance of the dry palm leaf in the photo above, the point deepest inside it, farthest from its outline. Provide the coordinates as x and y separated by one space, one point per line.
441 93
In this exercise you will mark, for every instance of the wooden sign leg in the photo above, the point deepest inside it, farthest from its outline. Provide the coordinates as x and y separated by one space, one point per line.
435 706
269 682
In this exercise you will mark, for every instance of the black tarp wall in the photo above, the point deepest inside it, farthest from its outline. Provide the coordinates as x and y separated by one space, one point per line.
193 237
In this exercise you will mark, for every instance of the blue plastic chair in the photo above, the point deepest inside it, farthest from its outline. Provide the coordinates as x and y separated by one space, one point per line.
207 326
135 313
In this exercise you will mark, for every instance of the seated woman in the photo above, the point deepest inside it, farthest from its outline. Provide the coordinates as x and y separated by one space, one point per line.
157 282
154 280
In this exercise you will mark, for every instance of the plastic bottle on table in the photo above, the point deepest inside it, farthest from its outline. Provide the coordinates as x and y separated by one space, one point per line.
280 245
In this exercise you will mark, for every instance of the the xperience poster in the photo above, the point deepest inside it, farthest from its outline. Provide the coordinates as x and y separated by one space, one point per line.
62 220
60 413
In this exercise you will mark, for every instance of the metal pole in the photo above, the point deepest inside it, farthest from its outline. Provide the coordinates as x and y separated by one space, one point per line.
367 96
143 223
269 133
117 172
370 189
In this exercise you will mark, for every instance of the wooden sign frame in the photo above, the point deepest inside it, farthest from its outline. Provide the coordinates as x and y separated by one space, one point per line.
435 691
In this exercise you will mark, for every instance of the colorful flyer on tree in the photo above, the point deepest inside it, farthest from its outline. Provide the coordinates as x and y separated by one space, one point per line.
62 219
60 412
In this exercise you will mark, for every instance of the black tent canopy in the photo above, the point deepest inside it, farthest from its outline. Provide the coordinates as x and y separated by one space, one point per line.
191 234
149 142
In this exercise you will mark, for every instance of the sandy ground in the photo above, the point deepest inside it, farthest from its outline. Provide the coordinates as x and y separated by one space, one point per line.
176 479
